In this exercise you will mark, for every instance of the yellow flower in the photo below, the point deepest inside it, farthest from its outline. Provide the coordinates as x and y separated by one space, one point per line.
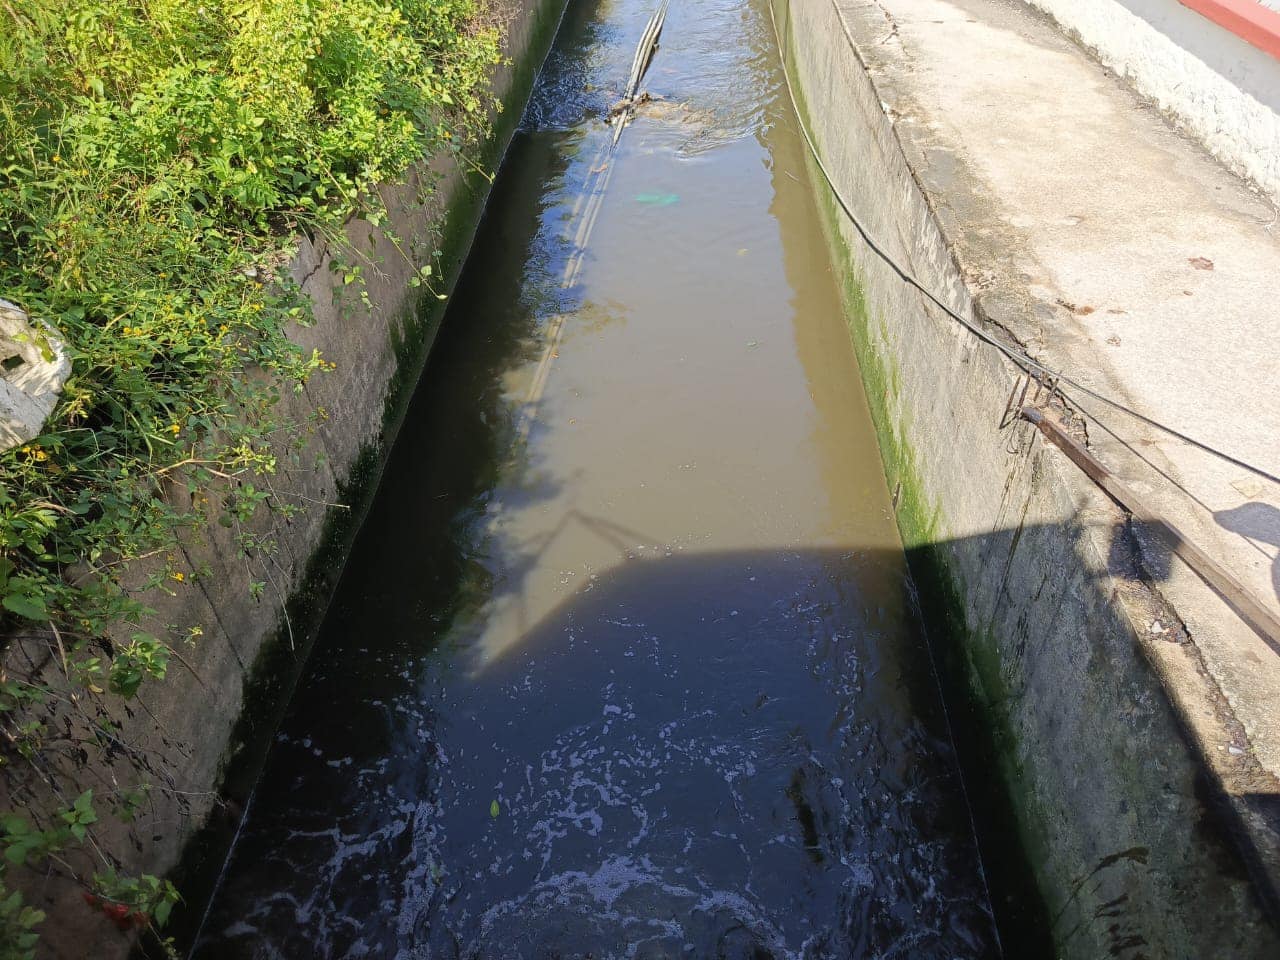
174 428
179 576
41 456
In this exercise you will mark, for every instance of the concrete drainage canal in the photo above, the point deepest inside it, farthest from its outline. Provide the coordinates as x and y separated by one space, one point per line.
626 661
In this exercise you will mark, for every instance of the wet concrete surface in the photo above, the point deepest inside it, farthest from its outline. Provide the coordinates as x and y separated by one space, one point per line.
625 661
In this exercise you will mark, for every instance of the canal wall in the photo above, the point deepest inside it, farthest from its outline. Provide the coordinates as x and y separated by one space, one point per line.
1095 741
199 736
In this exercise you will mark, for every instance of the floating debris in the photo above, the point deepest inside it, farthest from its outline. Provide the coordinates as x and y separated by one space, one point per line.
658 199
645 50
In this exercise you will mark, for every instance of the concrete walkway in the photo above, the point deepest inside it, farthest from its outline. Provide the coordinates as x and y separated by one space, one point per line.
1117 250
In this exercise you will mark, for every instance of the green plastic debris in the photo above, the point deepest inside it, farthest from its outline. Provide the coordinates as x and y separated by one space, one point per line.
658 199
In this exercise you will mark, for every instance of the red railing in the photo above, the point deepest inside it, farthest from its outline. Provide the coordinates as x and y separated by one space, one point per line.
1247 19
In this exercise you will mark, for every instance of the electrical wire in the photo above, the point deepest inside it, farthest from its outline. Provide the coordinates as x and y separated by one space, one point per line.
1023 360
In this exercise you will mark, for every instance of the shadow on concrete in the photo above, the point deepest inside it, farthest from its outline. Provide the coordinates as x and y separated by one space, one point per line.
1258 522
1052 681
1143 551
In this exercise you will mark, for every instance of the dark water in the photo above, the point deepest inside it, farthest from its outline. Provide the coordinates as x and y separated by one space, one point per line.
631 582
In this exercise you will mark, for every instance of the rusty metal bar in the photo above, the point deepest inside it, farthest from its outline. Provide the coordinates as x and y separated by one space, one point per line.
1222 581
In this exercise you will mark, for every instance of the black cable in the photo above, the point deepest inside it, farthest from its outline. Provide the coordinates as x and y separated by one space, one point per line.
1021 359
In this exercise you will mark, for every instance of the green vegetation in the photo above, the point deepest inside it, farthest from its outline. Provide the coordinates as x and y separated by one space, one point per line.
156 158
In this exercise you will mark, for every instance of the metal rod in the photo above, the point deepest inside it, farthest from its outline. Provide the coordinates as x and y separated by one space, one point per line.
1264 622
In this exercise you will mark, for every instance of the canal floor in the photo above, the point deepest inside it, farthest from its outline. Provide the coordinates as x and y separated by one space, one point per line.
625 662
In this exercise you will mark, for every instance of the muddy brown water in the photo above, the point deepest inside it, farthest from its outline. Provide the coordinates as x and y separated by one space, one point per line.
624 663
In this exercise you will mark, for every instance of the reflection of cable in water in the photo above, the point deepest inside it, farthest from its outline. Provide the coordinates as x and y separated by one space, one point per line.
586 210
582 220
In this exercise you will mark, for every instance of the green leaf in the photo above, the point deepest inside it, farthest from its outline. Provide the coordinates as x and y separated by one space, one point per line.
31 607
494 809
18 850
15 825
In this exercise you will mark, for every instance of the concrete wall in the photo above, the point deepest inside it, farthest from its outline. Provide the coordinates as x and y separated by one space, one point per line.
1222 89
1024 569
181 734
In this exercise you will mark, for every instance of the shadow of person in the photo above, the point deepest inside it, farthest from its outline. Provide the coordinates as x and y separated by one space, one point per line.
1257 521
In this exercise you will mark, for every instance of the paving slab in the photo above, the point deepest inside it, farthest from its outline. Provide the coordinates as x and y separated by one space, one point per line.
1116 249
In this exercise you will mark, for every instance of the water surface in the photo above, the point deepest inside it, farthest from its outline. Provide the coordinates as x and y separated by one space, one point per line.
624 663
